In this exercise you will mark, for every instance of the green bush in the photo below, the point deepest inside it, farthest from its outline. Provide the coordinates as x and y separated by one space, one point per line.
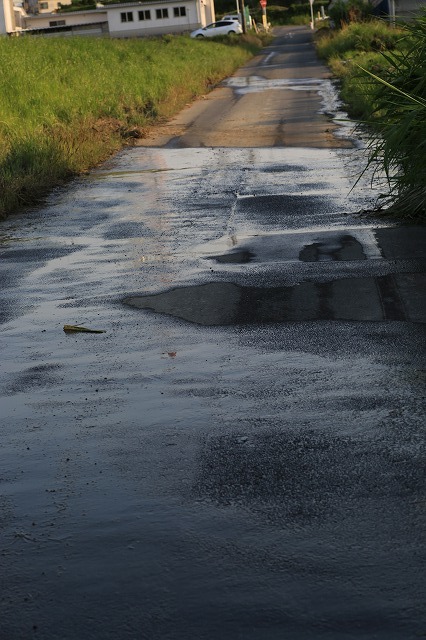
399 120
78 5
374 35
346 11
302 18
358 45
383 83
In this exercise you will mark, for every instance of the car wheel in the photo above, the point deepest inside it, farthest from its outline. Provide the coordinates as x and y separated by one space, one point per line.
231 31
200 35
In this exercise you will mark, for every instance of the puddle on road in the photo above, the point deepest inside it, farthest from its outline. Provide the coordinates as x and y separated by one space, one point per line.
355 292
226 303
345 247
251 84
242 85
336 247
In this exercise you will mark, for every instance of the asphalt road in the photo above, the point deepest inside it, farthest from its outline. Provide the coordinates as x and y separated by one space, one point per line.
240 456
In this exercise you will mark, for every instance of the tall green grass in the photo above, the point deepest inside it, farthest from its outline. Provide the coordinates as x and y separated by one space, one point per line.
358 37
399 116
68 103
383 83
356 45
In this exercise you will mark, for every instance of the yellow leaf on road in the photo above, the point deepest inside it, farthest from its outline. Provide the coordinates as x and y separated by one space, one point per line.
74 327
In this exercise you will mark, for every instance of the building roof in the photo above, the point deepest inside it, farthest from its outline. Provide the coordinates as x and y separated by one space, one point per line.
66 27
40 16
120 5
103 9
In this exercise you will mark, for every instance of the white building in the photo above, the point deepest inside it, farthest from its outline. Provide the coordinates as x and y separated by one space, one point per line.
158 17
7 17
91 23
126 20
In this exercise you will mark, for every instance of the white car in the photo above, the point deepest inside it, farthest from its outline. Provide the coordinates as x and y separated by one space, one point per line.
221 28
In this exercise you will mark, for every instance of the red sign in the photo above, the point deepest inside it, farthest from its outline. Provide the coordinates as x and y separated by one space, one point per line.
262 3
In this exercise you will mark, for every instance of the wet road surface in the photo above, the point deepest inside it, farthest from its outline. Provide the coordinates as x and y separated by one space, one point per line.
282 98
241 454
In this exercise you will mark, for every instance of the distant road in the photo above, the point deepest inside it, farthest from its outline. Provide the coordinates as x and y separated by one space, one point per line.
281 98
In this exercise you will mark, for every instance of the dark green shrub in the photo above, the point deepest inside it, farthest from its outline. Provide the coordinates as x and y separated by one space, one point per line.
358 37
399 117
342 11
78 5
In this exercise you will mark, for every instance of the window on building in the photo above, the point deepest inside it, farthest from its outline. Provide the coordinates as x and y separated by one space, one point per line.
162 13
126 16
43 5
57 23
179 12
144 15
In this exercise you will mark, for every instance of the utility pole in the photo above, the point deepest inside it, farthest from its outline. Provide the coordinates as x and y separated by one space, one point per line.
311 2
243 17
392 13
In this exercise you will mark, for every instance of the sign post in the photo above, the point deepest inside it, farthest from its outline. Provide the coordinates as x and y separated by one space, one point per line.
264 20
311 2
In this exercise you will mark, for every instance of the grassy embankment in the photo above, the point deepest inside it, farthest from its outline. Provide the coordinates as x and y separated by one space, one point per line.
66 104
383 83
358 44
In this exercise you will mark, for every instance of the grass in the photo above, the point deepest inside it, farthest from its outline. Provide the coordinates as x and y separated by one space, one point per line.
359 37
398 141
383 83
358 45
66 104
